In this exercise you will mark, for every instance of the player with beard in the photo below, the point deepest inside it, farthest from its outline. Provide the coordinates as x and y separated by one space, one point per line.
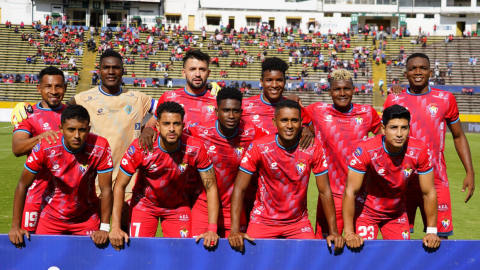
160 188
433 110
41 123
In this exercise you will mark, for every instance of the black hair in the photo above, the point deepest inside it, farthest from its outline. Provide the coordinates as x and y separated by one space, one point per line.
229 93
288 103
414 55
170 107
111 53
51 70
196 54
395 112
274 64
77 112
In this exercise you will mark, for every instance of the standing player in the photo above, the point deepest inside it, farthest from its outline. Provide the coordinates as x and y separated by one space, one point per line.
41 123
387 163
160 188
226 140
280 209
71 205
434 110
340 127
260 110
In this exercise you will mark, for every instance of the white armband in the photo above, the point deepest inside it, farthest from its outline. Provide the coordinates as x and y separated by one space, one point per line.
432 230
104 227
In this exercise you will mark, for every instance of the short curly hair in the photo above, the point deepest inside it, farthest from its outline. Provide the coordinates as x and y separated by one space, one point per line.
229 93
274 64
170 107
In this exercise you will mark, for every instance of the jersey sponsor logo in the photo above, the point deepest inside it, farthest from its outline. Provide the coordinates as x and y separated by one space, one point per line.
184 233
353 162
433 109
211 149
443 207
184 218
36 148
445 223
381 172
250 104
325 164
402 220
210 109
244 159
405 235
273 166
173 95
56 167
46 126
328 118
266 150
358 152
128 109
182 167
306 229
239 150
30 159
100 111
83 168
131 150
300 167
255 118
124 161
358 120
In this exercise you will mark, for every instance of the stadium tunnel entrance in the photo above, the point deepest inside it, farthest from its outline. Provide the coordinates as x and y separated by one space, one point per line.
378 19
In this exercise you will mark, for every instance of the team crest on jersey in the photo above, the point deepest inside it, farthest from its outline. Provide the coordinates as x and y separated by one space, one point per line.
239 150
83 168
210 108
184 233
405 235
128 109
131 150
182 166
445 223
358 151
358 120
300 167
407 171
36 148
433 109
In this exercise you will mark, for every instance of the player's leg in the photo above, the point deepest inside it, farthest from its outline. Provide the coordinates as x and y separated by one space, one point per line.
178 223
143 221
249 199
256 230
48 224
414 200
199 218
31 215
224 222
396 228
366 227
322 229
85 227
299 230
444 219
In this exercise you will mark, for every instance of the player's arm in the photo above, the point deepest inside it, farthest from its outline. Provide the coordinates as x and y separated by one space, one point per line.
325 194
100 237
241 184
463 151
213 204
353 185
16 233
23 143
427 186
148 135
117 235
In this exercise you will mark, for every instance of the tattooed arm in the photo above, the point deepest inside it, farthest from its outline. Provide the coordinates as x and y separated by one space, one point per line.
210 184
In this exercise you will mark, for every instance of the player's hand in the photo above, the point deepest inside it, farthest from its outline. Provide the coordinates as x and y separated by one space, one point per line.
338 241
210 239
353 240
116 237
146 139
99 237
49 135
16 236
397 89
236 240
306 139
215 88
431 240
20 112
295 98
469 183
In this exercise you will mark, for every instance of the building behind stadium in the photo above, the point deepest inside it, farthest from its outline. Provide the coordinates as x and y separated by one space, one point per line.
449 16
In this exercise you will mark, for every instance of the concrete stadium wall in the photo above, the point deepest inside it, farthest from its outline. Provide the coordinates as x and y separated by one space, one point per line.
79 252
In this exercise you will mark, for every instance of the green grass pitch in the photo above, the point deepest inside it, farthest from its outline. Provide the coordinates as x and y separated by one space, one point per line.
466 216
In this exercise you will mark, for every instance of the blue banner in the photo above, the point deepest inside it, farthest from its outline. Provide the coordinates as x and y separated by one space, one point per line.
78 252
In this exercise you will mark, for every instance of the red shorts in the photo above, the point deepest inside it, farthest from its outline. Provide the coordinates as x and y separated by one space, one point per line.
200 220
322 225
295 230
86 225
444 220
31 214
176 222
396 228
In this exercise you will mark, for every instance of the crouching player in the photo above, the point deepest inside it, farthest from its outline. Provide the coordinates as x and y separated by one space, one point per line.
160 189
226 139
71 204
387 163
280 209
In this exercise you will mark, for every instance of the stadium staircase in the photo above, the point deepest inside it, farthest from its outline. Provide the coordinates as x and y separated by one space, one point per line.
379 73
89 65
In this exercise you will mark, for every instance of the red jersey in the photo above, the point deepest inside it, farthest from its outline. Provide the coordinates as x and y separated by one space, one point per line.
162 176
387 174
260 113
283 183
226 153
37 123
430 112
340 133
72 191
198 108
